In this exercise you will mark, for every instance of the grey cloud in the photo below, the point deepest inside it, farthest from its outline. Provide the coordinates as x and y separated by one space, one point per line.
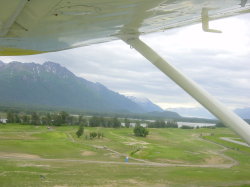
224 72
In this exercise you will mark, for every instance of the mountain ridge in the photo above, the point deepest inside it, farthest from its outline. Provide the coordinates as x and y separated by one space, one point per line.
51 84
146 103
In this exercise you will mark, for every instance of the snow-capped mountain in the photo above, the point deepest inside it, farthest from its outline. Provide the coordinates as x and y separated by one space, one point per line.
146 104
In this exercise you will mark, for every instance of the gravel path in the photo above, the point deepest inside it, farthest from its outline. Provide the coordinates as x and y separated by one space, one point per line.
140 162
118 163
234 141
233 161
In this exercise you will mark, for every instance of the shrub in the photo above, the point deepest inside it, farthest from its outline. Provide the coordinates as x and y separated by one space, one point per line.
220 124
140 131
186 127
92 135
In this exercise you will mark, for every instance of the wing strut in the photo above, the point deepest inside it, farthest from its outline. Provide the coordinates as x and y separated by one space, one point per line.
203 97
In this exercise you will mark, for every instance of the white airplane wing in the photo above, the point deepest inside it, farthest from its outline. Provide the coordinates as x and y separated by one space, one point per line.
38 26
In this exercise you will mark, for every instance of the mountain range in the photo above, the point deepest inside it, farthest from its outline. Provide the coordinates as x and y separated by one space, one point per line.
51 85
203 113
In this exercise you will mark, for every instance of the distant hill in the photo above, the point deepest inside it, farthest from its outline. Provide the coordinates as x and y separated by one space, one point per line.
164 114
243 112
51 85
194 112
203 113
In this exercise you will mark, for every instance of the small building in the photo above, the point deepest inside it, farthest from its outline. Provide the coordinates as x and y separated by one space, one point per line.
144 125
2 120
134 124
195 125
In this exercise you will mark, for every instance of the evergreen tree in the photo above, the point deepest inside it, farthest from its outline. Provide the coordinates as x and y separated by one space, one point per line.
35 119
63 117
17 118
80 131
116 123
172 124
127 123
48 119
56 120
10 117
80 118
94 121
25 119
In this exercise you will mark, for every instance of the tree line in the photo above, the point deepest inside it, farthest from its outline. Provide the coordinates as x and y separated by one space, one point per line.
62 118
96 121
163 124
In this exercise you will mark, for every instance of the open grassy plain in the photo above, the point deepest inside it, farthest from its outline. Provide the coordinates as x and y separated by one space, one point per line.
38 156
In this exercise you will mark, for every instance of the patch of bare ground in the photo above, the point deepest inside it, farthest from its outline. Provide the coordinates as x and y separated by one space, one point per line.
19 155
237 184
195 135
17 136
156 137
88 153
192 152
163 160
131 182
112 155
107 185
214 160
141 144
130 140
28 172
99 147
3 173
33 165
136 143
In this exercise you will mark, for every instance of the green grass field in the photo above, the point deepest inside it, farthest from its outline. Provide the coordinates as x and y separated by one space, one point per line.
37 156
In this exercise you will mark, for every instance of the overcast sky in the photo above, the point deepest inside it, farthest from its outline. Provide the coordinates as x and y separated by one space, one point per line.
218 62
